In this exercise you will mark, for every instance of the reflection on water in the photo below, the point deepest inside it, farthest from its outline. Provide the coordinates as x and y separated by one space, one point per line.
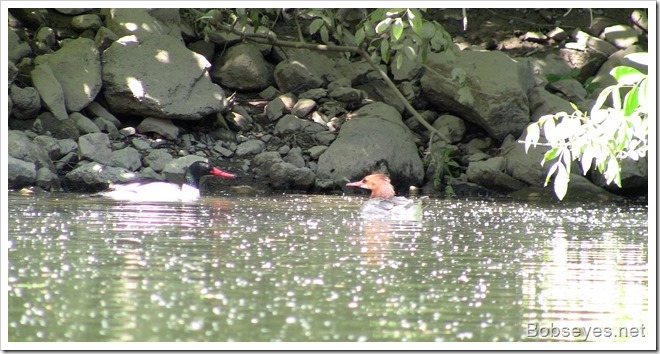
305 268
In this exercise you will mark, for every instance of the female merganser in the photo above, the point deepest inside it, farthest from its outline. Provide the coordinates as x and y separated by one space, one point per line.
382 203
158 191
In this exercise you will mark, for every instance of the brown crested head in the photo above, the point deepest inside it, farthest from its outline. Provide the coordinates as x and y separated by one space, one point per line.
378 183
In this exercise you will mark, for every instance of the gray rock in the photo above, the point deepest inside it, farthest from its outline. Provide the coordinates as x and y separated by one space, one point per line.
490 174
285 175
186 93
50 144
378 91
99 111
450 126
157 159
346 94
104 38
325 137
94 177
621 36
60 129
293 76
569 88
141 144
17 49
50 90
580 189
162 127
84 124
78 70
149 173
488 89
374 139
26 102
20 173
270 93
303 107
86 22
263 161
250 147
542 102
107 126
46 179
314 94
72 12
316 151
280 106
523 166
95 147
153 22
243 68
127 158
225 152
295 157
67 146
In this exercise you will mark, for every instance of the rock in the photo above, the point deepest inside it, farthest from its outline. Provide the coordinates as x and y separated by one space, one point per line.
451 127
50 90
157 159
94 177
86 22
127 158
95 147
20 173
603 78
285 175
621 36
280 106
153 22
378 90
374 139
303 107
270 93
490 174
60 129
316 151
141 144
569 88
640 19
250 147
17 49
464 189
99 111
523 166
263 162
295 77
26 102
186 93
314 94
47 179
107 126
580 189
73 12
585 41
558 34
488 89
325 137
104 38
84 124
295 157
162 127
243 68
78 71
204 48
50 144
542 102
347 95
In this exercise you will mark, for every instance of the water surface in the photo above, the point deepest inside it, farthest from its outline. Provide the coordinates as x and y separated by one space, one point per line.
306 268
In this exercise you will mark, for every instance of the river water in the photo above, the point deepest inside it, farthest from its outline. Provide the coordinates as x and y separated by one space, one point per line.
306 268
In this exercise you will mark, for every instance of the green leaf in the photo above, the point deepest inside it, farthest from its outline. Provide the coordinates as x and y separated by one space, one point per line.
552 78
551 172
627 75
415 20
397 29
612 172
587 159
383 25
369 29
398 59
630 102
561 182
409 51
428 30
385 51
549 130
324 35
551 154
359 36
315 25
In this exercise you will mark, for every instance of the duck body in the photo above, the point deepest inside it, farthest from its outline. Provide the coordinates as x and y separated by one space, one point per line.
160 191
383 204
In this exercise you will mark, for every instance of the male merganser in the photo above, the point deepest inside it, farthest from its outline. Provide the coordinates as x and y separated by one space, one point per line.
382 203
159 191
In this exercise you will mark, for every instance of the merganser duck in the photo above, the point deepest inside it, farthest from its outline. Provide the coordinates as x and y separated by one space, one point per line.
159 191
382 203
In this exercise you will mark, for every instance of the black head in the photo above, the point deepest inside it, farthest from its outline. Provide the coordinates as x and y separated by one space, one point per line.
200 168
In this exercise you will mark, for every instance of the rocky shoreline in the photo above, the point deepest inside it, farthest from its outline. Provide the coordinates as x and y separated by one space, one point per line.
94 100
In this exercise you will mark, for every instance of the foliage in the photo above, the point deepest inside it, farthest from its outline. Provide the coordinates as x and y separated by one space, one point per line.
606 136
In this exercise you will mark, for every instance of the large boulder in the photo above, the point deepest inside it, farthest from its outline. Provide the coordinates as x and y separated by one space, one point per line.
77 68
159 77
374 139
488 89
122 21
243 68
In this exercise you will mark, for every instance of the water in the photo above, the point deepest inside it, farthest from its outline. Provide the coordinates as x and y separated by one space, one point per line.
305 268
